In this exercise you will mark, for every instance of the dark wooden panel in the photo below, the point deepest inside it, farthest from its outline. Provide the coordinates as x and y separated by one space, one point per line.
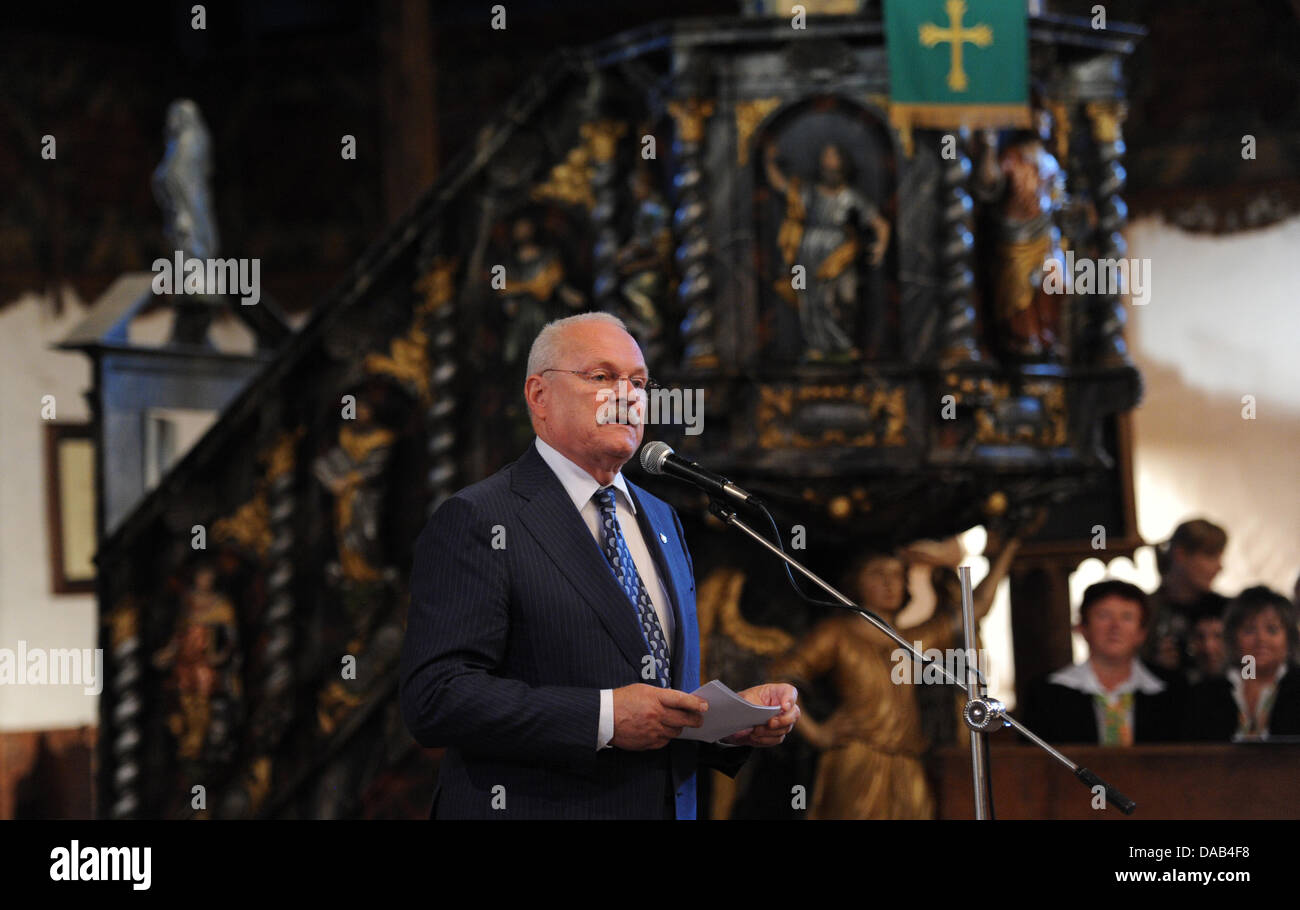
1169 781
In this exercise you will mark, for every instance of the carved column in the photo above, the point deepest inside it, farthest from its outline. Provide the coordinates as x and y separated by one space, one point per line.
957 249
690 228
1105 335
123 726
602 138
440 412
277 686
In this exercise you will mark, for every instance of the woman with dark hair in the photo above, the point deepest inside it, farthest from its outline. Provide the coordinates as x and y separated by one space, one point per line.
1258 696
1188 563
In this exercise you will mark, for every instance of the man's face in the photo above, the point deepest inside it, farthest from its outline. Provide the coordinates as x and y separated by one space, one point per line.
569 409
1206 644
1200 568
1114 630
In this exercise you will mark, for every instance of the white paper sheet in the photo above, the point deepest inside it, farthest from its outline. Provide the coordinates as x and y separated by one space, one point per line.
728 713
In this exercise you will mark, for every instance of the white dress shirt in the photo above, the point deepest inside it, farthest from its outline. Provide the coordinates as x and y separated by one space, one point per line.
1082 678
581 486
1266 693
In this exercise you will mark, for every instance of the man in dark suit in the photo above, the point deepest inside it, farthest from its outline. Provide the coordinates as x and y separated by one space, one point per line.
552 641
1112 698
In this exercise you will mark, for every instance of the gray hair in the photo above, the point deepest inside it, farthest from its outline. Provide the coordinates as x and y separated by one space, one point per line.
545 352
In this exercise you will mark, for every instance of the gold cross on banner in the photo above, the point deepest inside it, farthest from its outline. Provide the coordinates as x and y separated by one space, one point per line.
979 35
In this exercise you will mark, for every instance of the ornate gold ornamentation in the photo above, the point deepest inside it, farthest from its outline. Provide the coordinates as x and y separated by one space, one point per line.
601 138
280 457
407 359
719 611
1052 395
257 782
987 393
250 524
690 116
777 404
438 284
749 114
1107 118
569 181
123 620
334 704
1061 118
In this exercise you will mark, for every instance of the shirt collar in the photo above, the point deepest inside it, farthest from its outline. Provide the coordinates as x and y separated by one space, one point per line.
1082 678
576 481
1235 678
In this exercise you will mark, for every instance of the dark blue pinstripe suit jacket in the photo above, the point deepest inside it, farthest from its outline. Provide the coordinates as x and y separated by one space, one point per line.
508 646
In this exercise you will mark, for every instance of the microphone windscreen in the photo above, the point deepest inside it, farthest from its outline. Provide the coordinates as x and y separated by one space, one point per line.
653 455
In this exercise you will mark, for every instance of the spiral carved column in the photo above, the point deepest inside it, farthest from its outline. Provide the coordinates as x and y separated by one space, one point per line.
957 246
602 138
439 315
277 686
124 724
1106 312
695 290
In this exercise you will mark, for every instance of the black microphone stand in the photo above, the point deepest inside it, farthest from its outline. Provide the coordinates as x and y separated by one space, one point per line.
983 714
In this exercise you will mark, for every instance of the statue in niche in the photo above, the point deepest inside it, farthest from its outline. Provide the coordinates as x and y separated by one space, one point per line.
644 262
1024 186
872 744
204 660
828 225
536 291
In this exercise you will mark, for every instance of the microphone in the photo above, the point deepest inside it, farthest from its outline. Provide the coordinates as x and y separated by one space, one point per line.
658 458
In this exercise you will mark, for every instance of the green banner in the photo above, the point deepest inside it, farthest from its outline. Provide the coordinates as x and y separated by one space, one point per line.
958 62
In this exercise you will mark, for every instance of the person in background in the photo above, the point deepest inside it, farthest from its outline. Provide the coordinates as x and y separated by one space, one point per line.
1188 563
1257 696
1111 699
1206 647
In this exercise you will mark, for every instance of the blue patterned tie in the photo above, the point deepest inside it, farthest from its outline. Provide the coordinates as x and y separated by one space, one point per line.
620 560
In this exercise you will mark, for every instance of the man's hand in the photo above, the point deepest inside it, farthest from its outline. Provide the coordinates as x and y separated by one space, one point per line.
650 717
774 731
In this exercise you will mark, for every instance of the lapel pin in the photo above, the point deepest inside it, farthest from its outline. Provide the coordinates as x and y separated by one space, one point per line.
663 538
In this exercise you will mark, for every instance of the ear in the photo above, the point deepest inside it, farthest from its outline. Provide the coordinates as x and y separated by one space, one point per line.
535 395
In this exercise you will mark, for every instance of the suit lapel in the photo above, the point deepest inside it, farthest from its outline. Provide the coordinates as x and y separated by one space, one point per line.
559 530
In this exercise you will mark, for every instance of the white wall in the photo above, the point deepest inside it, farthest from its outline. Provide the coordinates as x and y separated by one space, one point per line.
1223 322
29 609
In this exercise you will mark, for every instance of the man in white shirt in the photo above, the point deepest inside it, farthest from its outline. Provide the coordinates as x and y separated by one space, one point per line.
1111 699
